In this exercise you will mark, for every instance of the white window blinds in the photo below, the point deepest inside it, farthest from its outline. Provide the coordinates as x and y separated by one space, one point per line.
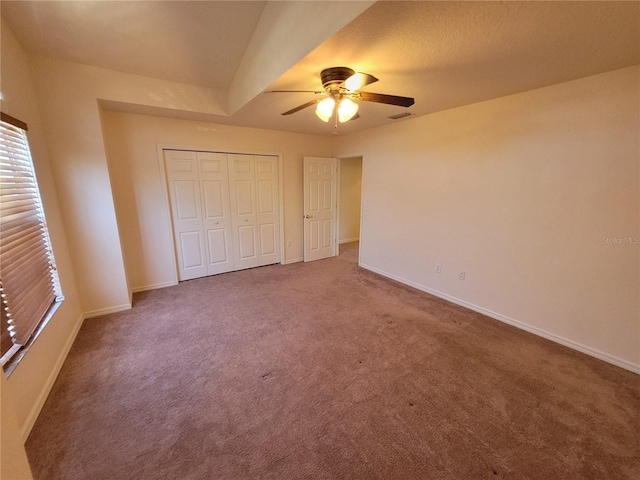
28 281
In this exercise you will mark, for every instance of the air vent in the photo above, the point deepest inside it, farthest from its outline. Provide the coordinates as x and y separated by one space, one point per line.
400 115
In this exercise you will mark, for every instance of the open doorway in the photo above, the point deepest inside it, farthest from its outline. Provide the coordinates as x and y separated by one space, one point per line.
349 204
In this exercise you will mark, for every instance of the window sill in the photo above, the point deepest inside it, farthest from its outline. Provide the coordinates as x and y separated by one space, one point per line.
12 358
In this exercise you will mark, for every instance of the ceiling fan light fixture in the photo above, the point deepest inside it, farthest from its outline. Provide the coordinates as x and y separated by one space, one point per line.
342 86
346 110
324 110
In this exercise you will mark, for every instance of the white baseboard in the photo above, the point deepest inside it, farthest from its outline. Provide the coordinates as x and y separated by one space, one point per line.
106 311
46 389
348 240
294 260
154 286
632 367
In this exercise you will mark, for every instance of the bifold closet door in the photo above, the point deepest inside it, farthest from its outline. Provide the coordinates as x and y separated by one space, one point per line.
268 209
225 211
242 170
253 183
186 211
216 212
199 196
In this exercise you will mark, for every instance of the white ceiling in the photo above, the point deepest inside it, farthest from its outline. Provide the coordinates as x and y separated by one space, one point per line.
199 43
445 54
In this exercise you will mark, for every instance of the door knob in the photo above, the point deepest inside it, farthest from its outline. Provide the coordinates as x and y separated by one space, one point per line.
246 220
308 216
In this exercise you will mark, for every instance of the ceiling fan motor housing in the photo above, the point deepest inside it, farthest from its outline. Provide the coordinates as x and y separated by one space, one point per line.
333 77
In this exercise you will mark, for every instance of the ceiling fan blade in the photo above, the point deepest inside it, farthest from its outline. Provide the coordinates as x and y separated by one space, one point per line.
382 98
359 80
355 117
297 109
317 92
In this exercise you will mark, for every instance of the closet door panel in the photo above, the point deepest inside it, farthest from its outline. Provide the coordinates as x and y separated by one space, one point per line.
245 204
243 207
266 197
268 212
217 218
213 199
218 248
190 250
186 200
268 237
247 242
186 213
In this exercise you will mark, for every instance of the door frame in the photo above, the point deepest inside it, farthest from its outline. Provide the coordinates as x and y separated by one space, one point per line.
362 209
161 147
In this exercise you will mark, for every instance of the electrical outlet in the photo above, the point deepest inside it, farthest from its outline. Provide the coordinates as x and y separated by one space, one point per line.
438 267
288 243
461 276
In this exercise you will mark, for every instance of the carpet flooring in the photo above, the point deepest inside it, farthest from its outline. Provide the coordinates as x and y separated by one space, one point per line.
327 371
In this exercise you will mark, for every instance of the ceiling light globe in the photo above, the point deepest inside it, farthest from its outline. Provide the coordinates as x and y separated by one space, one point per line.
346 110
325 109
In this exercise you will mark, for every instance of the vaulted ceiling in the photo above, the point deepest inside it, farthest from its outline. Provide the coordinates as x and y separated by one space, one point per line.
445 54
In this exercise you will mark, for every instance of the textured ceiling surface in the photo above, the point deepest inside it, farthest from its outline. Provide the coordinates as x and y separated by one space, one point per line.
199 43
445 54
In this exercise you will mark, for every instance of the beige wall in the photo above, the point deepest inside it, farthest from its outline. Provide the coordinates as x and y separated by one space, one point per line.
350 191
140 195
519 193
25 391
70 113
14 464
68 95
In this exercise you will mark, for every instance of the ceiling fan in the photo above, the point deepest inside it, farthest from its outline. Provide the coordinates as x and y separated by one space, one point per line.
341 87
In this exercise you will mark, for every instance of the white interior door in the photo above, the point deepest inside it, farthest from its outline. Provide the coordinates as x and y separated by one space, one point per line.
216 212
320 204
186 211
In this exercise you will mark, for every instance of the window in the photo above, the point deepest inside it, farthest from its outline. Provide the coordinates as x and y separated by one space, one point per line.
29 282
